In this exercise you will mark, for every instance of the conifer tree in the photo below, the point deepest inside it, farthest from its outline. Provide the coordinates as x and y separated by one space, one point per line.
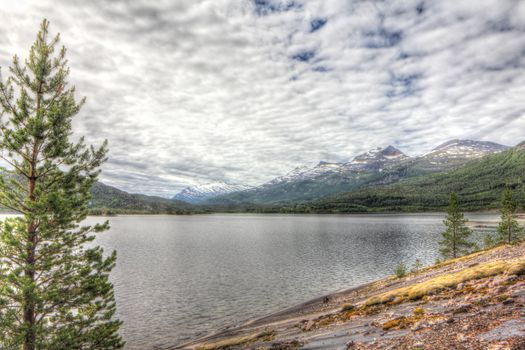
54 287
455 239
509 230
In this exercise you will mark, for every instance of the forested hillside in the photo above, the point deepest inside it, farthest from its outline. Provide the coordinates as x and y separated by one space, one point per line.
108 200
479 185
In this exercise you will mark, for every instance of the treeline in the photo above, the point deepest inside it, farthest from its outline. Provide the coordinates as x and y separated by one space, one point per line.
479 184
456 240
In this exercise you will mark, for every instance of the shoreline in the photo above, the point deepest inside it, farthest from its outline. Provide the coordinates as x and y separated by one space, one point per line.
321 323
286 314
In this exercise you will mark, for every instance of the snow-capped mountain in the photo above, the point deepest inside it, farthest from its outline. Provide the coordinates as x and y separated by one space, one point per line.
201 193
373 160
306 173
378 166
376 159
455 151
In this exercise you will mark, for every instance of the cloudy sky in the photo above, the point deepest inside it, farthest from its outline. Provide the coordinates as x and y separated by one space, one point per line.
191 92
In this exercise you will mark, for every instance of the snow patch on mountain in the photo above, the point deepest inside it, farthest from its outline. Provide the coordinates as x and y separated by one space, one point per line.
461 150
376 159
201 193
373 160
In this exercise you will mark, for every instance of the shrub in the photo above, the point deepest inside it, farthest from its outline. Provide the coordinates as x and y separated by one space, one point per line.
417 265
401 270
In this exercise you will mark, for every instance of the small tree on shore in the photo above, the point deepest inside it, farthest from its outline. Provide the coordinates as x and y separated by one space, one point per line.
455 238
509 231
54 291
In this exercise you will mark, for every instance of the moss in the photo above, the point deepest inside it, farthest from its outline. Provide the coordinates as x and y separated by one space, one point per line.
437 284
419 312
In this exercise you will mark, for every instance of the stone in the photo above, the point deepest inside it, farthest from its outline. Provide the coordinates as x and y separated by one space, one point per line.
462 309
419 326
461 337
309 326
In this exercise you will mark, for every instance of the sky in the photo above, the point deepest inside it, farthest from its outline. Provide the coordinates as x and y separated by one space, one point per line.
190 92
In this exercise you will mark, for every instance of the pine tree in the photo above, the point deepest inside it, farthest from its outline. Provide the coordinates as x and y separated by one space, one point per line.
455 239
54 287
509 230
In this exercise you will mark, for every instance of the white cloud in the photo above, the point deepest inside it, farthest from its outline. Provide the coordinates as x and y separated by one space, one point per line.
242 91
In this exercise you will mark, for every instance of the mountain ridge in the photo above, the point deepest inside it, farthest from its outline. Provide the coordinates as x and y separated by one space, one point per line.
376 166
201 193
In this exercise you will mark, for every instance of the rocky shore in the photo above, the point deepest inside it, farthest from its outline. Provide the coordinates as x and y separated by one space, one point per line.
473 302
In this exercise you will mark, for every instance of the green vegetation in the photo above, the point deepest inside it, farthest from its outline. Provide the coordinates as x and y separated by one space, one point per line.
455 238
479 183
107 200
401 270
280 195
54 292
508 229
416 266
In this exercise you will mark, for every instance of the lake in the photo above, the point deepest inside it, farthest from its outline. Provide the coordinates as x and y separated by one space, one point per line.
178 277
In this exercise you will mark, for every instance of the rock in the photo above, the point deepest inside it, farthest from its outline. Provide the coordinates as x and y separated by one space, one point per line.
510 278
309 326
419 325
482 301
500 289
397 300
460 286
461 337
450 320
350 344
348 307
508 301
462 309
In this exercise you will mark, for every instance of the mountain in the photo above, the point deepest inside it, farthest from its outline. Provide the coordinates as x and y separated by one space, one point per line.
309 183
457 152
201 193
377 167
373 160
376 159
108 199
478 183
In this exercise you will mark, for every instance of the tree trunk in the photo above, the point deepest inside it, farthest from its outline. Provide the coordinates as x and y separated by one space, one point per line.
454 242
29 306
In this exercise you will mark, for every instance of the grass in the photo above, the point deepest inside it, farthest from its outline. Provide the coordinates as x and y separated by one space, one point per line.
439 283
267 335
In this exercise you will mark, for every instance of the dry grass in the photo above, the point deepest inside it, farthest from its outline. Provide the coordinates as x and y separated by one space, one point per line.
238 341
398 323
439 283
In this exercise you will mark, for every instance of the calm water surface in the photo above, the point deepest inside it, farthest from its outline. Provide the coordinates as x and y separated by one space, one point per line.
178 277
